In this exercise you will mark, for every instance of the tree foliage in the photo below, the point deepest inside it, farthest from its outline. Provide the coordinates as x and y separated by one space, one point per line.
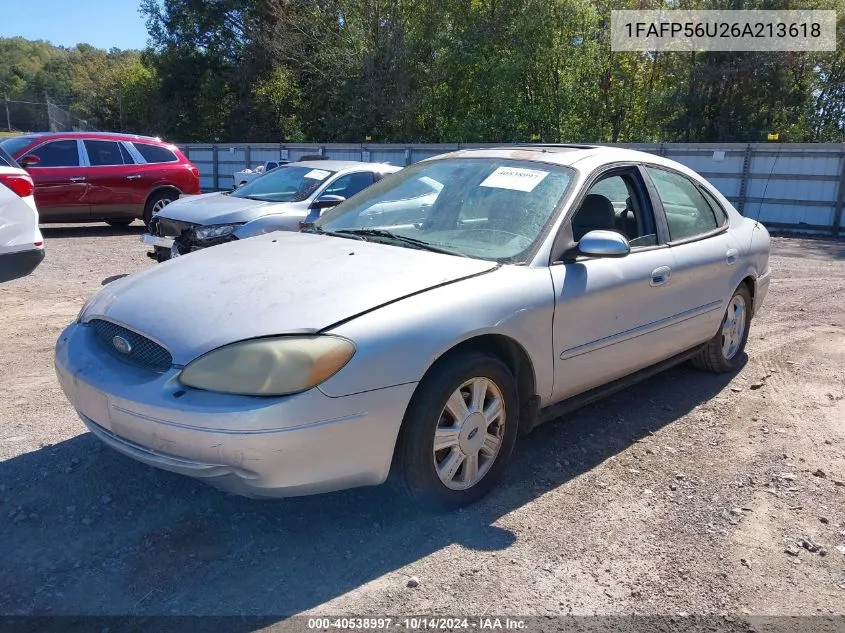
445 70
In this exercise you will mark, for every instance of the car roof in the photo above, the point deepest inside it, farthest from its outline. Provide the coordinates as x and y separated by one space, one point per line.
584 158
114 136
338 165
562 154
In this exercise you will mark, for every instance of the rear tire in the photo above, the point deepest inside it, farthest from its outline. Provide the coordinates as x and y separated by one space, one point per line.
156 203
723 351
470 405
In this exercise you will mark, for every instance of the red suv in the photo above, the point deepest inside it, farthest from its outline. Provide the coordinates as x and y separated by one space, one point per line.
93 176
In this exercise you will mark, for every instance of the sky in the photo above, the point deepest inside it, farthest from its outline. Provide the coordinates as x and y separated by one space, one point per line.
101 23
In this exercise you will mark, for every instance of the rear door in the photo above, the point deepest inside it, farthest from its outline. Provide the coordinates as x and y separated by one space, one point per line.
61 181
703 250
112 179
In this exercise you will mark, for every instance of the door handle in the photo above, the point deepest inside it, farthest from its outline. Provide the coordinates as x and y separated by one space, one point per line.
660 276
135 177
730 256
77 179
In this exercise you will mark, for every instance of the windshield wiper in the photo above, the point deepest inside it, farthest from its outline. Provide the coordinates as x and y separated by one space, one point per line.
311 228
399 238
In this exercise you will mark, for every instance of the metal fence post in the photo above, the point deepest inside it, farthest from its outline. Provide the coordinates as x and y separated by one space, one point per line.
743 183
840 199
214 168
248 156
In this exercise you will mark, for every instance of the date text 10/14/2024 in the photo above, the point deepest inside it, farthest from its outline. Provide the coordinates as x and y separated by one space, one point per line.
416 623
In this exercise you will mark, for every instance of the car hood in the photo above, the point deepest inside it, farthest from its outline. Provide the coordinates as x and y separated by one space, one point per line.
220 208
277 283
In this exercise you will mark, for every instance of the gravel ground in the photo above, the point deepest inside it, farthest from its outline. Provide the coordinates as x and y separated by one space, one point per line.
691 493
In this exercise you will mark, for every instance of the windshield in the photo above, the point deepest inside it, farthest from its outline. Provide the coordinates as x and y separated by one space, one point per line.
284 184
485 208
15 144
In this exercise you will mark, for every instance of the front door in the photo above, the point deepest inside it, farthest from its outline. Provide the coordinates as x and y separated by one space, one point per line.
61 182
611 313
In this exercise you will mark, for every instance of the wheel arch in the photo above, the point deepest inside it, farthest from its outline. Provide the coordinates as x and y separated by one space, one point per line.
159 189
751 283
511 353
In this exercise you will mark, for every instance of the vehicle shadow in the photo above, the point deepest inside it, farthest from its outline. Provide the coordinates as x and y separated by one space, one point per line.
84 530
52 231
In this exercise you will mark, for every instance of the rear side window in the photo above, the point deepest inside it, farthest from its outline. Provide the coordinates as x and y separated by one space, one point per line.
687 212
57 154
101 153
155 153
721 215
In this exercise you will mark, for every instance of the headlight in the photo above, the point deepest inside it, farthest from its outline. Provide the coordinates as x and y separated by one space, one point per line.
212 232
269 366
81 315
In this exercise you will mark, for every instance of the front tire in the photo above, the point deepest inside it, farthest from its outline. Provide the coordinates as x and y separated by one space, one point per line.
458 433
723 352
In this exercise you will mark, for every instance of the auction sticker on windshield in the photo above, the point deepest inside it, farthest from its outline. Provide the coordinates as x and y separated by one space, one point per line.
317 174
516 178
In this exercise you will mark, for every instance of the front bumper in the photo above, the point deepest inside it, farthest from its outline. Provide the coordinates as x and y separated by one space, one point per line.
262 447
155 240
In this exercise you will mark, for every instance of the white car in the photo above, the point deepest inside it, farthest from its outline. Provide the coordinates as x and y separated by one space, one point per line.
21 243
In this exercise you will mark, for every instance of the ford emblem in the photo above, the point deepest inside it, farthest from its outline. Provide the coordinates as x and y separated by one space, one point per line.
121 344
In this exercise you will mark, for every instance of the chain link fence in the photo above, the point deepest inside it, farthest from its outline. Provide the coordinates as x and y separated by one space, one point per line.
28 115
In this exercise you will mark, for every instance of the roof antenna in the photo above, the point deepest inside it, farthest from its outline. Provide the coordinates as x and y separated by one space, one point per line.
768 179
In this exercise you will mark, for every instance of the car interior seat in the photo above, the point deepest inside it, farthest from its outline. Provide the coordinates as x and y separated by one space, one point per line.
596 213
626 222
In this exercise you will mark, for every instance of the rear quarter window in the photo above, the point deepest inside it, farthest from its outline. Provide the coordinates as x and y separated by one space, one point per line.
155 153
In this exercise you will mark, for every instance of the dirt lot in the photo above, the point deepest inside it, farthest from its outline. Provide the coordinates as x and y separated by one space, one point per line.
690 493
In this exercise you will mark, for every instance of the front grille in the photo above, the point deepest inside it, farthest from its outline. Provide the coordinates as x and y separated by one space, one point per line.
165 227
143 353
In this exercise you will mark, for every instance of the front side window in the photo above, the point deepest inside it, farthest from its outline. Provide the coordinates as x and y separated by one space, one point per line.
350 184
155 153
101 153
612 204
687 212
284 184
494 209
57 154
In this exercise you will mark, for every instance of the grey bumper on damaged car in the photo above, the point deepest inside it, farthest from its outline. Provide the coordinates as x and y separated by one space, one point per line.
254 446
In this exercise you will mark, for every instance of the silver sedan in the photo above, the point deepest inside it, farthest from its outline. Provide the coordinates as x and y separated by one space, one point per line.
414 339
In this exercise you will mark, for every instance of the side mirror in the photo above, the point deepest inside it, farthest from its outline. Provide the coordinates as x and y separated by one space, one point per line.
30 160
604 244
327 200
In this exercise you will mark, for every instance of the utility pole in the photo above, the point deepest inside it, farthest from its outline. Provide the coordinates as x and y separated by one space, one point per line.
8 118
